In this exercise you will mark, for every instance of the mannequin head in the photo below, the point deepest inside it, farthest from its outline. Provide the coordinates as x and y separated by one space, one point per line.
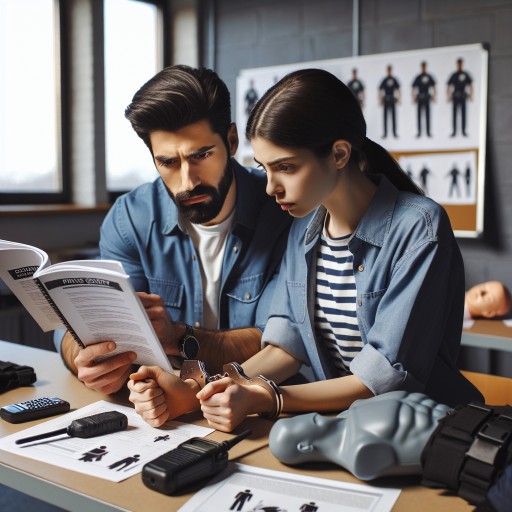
488 300
380 436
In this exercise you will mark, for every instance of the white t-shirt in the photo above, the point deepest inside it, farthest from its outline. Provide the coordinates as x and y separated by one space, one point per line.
210 244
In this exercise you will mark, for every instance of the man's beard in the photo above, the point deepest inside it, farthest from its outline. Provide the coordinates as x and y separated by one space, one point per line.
206 211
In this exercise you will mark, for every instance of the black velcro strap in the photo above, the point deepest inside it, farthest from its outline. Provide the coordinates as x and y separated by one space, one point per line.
14 376
469 449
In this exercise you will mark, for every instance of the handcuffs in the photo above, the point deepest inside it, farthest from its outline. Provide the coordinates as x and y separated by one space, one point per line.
196 370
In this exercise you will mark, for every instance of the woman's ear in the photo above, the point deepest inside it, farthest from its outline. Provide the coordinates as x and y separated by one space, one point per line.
232 139
341 151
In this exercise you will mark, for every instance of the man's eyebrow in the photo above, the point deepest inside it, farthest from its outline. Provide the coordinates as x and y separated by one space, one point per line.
201 150
167 159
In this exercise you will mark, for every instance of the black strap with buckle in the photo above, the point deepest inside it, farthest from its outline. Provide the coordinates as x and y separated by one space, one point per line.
469 449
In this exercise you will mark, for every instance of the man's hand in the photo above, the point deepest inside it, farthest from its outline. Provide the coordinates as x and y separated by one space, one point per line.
106 376
159 396
168 332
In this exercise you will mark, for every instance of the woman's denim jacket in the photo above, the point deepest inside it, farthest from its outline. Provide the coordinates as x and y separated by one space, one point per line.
410 297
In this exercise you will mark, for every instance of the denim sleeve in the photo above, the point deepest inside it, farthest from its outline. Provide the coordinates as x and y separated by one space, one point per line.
411 320
116 243
286 335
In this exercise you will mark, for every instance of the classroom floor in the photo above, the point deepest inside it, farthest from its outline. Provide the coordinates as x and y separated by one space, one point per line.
14 501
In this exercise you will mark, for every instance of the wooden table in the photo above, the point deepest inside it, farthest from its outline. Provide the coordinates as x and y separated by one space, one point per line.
78 493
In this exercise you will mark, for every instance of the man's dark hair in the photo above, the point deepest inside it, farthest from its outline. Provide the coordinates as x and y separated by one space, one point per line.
178 96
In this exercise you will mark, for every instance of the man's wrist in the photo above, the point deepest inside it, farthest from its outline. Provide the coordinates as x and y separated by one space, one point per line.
172 344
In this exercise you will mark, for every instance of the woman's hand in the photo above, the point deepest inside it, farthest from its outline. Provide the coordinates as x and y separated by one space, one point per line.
225 404
159 396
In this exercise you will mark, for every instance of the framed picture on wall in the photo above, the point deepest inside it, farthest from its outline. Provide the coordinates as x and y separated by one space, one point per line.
426 107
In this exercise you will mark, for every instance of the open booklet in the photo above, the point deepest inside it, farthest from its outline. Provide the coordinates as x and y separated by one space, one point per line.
93 299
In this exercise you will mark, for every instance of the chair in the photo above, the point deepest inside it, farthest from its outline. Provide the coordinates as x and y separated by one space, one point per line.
496 390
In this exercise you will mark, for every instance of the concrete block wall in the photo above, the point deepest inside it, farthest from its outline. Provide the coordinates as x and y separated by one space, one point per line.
258 33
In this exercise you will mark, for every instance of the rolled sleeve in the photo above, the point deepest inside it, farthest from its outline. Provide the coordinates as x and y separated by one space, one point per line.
378 374
286 335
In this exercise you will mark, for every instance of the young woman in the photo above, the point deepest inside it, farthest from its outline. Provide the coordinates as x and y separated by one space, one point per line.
371 291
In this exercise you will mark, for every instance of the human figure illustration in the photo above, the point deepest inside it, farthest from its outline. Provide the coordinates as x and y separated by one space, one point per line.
389 97
162 438
309 507
424 173
459 89
357 87
240 499
124 463
423 92
467 179
454 185
95 454
251 97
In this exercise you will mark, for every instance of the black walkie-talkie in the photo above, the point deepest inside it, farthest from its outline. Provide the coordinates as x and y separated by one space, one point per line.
193 460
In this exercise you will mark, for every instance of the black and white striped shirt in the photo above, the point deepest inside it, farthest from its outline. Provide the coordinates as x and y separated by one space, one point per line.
335 302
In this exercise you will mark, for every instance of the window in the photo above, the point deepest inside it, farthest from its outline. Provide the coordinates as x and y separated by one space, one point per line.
30 159
133 54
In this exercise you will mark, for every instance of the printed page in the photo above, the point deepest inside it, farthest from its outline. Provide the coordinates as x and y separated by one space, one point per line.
100 304
251 489
113 457
18 263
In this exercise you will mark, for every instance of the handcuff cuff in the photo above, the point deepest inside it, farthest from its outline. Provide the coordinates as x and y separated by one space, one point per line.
196 370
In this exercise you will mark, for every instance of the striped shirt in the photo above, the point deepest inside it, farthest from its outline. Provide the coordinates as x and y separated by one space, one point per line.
335 302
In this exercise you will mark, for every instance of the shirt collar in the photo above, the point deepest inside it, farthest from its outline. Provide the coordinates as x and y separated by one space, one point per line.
246 210
374 225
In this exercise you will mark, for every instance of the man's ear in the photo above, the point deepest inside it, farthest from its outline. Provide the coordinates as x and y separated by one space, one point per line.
232 139
341 151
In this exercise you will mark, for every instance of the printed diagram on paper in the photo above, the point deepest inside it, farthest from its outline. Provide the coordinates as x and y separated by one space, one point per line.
245 488
113 457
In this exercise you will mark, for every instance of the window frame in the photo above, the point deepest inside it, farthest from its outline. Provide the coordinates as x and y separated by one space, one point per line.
63 153
163 24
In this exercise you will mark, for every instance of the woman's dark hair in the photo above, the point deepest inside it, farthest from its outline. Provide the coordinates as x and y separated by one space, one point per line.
311 109
178 96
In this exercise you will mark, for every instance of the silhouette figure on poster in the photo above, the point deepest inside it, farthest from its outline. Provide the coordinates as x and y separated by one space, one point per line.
251 97
309 507
467 179
459 89
454 185
240 499
389 97
423 92
124 463
357 88
95 454
424 173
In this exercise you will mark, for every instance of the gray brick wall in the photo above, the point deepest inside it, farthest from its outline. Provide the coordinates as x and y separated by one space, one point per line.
253 33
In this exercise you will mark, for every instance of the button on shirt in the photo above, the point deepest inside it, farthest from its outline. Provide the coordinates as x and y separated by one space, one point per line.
410 293
142 231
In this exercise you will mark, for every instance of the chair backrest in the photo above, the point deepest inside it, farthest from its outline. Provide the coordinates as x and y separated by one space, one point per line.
496 390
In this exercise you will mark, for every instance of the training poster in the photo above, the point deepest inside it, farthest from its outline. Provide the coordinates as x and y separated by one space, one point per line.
426 107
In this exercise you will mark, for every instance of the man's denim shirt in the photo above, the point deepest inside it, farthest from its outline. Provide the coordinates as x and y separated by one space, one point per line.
143 232
410 297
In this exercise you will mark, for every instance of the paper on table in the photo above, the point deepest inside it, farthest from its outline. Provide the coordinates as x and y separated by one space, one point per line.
113 457
508 322
255 489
